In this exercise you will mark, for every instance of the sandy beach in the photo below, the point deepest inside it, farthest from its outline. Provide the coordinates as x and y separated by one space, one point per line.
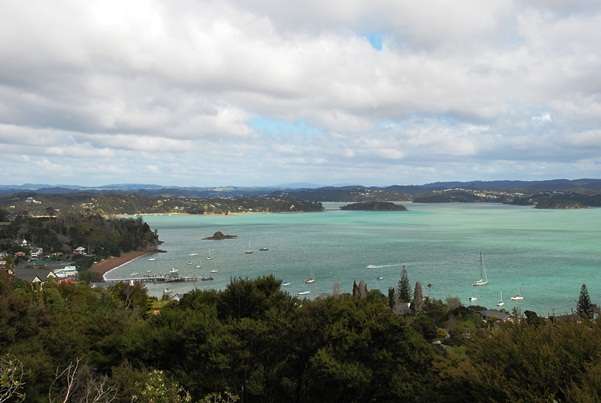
106 265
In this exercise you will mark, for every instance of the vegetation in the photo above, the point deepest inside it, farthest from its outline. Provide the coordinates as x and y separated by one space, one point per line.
101 237
374 206
115 203
252 342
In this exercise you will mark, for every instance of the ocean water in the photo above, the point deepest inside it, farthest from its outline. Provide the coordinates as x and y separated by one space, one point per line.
547 254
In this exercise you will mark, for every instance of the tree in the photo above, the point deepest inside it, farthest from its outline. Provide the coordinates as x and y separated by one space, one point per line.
11 380
391 298
418 298
404 289
585 307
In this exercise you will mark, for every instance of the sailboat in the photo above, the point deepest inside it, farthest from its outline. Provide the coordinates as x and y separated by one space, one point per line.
249 251
310 280
500 303
210 257
518 297
483 277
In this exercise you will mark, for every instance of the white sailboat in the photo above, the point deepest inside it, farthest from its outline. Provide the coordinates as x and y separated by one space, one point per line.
501 302
249 251
483 277
209 257
518 296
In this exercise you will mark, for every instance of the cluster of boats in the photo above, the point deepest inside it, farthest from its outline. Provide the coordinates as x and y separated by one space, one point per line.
483 281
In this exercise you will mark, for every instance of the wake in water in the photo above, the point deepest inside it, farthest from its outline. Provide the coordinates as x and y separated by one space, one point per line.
382 266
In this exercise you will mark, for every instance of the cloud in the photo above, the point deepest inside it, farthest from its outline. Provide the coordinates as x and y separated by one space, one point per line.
252 92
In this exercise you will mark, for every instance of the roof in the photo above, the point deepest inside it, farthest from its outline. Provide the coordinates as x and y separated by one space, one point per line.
495 314
29 273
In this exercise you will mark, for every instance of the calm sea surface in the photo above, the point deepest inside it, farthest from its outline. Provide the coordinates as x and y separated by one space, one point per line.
547 254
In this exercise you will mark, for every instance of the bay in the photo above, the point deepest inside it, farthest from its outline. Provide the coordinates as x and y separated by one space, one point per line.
547 254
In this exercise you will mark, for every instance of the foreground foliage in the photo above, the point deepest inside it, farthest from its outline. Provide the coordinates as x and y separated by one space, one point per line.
254 343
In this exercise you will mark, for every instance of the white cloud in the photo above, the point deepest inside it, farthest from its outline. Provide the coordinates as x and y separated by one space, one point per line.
175 86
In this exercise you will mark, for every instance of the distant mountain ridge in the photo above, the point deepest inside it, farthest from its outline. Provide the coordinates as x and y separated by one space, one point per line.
307 191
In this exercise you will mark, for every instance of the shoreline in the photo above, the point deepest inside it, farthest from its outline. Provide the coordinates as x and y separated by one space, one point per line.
105 266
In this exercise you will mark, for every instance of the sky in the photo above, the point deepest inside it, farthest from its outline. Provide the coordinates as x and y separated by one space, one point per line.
265 92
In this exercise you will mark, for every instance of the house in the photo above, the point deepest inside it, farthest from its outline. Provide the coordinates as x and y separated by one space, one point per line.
51 275
3 264
20 254
23 243
80 250
495 315
66 272
37 252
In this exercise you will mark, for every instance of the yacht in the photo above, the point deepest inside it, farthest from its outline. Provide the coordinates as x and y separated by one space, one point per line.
500 303
483 277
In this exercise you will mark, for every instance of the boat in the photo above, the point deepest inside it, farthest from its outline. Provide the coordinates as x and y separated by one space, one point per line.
210 257
198 266
249 251
371 266
380 277
304 293
483 277
193 254
167 292
518 296
206 278
190 263
309 280
263 249
472 299
286 284
214 271
500 303
152 259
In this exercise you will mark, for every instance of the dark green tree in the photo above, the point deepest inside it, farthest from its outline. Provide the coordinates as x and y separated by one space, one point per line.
391 297
585 307
404 289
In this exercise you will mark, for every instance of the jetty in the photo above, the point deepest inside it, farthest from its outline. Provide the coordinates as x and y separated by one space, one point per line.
172 277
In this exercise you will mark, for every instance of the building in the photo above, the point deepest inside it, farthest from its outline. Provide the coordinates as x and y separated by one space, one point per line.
37 252
80 250
66 272
495 315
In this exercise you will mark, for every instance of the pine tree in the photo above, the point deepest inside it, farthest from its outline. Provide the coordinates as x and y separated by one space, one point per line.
404 289
418 298
585 307
391 298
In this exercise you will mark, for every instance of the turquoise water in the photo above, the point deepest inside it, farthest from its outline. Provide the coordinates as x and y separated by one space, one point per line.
547 254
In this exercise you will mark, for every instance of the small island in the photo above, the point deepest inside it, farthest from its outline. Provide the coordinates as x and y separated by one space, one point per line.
374 206
220 236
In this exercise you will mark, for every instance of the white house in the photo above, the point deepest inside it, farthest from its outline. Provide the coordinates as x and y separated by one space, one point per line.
37 252
66 272
80 250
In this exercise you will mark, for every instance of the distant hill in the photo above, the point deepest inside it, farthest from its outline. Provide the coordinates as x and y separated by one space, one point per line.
309 192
